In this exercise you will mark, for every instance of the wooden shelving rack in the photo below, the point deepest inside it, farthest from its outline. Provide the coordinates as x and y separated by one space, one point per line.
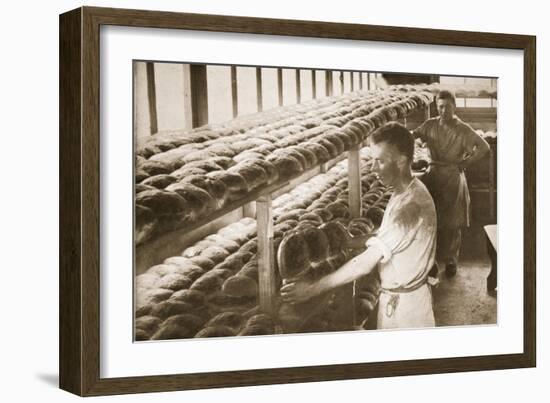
258 202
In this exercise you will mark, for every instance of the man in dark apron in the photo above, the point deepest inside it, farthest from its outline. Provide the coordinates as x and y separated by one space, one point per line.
453 146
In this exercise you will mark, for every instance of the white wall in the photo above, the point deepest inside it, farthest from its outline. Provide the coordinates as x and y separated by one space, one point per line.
170 84
29 217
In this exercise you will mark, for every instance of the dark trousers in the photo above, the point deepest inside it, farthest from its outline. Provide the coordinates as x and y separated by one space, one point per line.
448 245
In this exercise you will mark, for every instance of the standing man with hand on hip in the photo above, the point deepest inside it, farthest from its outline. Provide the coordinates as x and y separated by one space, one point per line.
403 248
453 146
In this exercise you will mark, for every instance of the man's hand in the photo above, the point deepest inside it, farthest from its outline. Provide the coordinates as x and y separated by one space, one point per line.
297 291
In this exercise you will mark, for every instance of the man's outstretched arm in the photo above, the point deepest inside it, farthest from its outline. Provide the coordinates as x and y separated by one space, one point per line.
300 290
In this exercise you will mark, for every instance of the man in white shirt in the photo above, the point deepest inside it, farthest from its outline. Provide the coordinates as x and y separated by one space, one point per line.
403 248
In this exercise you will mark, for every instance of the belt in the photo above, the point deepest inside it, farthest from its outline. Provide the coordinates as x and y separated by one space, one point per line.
446 164
391 306
404 290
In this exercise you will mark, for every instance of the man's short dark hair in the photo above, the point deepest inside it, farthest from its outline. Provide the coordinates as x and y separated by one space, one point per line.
397 135
446 94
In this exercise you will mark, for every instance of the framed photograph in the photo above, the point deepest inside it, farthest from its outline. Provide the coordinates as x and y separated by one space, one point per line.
250 201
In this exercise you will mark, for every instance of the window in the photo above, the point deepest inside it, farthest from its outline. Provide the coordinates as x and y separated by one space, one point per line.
270 94
246 91
347 81
471 102
220 106
336 85
320 80
169 95
289 87
306 85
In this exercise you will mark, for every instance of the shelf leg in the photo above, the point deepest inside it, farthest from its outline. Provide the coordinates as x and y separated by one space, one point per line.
354 188
354 181
266 254
492 176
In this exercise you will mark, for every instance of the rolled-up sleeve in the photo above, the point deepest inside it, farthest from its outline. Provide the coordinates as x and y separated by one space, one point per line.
398 233
377 243
421 132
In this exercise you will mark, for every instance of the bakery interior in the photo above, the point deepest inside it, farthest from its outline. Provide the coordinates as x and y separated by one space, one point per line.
230 161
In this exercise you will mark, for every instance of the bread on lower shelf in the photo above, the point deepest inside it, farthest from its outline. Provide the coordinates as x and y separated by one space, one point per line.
223 267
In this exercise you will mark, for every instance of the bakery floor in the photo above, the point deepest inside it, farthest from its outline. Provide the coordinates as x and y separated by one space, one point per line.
463 299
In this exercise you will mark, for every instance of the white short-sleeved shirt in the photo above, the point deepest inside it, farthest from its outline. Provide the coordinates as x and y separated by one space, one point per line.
407 238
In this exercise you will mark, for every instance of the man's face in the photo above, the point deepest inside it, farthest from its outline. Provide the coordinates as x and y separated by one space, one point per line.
385 162
446 109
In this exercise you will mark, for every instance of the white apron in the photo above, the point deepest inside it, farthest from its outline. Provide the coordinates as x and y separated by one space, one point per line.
407 239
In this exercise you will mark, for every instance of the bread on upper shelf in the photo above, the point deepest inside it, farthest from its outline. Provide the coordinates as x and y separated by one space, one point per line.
228 161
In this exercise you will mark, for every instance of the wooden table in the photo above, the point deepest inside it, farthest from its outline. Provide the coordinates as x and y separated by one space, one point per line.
491 234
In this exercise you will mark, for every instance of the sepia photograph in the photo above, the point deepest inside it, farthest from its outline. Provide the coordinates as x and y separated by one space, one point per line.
275 200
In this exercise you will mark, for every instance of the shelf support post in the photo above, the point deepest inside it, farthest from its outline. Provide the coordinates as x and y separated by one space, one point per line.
266 254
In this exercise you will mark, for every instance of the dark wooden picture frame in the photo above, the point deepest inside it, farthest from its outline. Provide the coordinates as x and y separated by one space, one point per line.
80 188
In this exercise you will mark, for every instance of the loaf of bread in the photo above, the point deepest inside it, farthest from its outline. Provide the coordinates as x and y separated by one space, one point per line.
191 322
294 153
250 269
317 244
253 174
194 298
375 214
151 296
250 246
141 188
287 166
313 217
147 323
270 169
327 145
185 172
154 167
308 155
338 209
220 272
234 320
293 256
324 214
141 335
240 286
140 175
198 156
335 140
174 282
215 253
169 308
193 272
235 262
223 162
208 283
170 332
177 261
143 310
161 269
146 223
256 330
159 181
335 235
147 280
162 202
321 153
235 184
215 331
203 262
